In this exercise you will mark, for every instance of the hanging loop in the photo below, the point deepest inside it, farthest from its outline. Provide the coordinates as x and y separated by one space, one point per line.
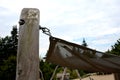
45 30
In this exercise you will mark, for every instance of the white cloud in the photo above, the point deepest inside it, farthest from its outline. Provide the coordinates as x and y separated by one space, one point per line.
68 19
101 41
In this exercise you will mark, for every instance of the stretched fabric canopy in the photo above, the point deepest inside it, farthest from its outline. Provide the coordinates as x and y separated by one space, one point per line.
75 56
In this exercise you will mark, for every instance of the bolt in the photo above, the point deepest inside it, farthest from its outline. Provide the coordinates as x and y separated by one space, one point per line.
19 72
21 22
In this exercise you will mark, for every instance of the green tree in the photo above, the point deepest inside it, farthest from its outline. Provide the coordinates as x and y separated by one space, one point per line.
83 72
84 43
47 69
8 51
115 48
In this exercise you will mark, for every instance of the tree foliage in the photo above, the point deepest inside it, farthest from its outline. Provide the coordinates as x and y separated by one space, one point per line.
8 51
47 69
116 48
84 43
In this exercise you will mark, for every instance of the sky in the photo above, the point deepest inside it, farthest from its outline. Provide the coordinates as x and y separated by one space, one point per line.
98 21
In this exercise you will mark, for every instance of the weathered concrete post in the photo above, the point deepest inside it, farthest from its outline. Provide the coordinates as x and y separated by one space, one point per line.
28 45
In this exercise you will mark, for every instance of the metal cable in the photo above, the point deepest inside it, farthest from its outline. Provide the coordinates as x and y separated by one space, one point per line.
45 30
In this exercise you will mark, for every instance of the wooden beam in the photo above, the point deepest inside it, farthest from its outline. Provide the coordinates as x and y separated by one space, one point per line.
54 72
117 76
78 74
28 45
64 73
